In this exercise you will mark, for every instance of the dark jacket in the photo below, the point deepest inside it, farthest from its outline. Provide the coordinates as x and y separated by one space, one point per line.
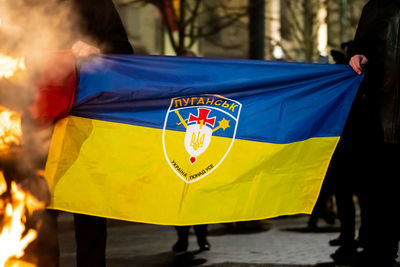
378 38
98 22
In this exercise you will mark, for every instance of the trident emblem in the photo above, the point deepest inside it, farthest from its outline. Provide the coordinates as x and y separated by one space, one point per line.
199 131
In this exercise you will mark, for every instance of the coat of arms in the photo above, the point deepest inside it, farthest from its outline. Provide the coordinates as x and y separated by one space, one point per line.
198 134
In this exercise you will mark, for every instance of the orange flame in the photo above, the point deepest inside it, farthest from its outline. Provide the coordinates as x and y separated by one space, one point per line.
9 66
13 237
10 129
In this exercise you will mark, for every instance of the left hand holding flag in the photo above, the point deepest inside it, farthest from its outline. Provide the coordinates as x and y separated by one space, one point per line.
82 49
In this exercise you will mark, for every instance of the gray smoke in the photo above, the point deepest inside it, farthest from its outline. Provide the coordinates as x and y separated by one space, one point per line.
32 29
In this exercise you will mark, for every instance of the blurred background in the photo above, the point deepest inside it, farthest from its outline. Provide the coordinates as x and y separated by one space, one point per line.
292 30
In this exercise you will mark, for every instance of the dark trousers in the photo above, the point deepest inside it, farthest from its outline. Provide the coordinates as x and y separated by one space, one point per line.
348 172
381 199
322 208
346 213
200 231
90 235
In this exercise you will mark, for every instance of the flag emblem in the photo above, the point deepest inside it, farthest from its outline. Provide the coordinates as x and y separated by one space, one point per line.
209 123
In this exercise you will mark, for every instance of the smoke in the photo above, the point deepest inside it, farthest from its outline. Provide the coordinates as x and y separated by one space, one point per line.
32 29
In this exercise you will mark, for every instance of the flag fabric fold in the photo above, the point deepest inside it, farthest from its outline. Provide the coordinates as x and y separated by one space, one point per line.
184 141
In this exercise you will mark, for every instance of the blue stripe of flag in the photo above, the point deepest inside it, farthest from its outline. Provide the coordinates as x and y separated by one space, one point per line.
281 102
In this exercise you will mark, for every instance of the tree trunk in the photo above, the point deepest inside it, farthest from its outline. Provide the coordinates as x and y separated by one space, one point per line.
256 29
181 47
309 20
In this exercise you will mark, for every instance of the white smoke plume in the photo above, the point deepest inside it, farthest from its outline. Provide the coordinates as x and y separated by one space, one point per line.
32 29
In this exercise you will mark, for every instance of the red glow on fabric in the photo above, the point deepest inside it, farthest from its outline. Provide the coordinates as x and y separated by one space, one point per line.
56 85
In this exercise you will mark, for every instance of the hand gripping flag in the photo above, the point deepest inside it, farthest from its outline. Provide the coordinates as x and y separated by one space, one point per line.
184 141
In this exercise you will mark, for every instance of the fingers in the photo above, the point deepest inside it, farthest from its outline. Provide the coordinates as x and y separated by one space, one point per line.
364 60
82 49
357 62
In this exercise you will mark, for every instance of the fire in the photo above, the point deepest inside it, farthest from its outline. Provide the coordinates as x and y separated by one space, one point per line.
13 236
14 202
9 66
10 129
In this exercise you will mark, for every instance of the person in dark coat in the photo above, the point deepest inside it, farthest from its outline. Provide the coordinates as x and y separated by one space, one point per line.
99 30
101 25
376 112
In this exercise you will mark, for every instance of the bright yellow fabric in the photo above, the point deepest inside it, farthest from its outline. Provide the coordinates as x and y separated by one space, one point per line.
120 171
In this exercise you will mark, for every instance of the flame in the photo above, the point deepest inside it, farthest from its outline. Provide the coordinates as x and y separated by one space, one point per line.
13 236
10 129
3 185
9 66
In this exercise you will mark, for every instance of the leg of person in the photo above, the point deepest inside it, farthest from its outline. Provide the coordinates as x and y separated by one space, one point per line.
91 237
346 214
183 236
341 174
316 213
346 168
360 241
326 211
380 201
346 252
201 234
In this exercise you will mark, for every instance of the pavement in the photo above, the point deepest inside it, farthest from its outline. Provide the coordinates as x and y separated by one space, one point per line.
280 242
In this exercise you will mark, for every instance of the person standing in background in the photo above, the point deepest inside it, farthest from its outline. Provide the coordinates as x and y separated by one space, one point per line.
183 235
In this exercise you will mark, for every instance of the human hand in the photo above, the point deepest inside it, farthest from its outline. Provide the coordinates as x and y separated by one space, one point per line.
82 49
357 62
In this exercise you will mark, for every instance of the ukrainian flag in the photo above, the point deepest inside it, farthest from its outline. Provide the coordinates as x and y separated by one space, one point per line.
181 141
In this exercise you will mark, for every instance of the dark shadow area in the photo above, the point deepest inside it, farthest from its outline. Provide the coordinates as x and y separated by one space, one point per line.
67 225
325 264
240 228
165 259
326 229
118 223
232 264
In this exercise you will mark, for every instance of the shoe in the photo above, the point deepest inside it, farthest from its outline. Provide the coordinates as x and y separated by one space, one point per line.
339 241
329 217
312 226
345 255
180 246
203 244
359 243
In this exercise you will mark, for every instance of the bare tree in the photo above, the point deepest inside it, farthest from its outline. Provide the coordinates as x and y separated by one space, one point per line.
300 29
354 13
187 21
256 29
343 19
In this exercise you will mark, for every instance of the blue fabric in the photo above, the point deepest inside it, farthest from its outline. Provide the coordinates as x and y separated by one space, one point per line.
281 102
